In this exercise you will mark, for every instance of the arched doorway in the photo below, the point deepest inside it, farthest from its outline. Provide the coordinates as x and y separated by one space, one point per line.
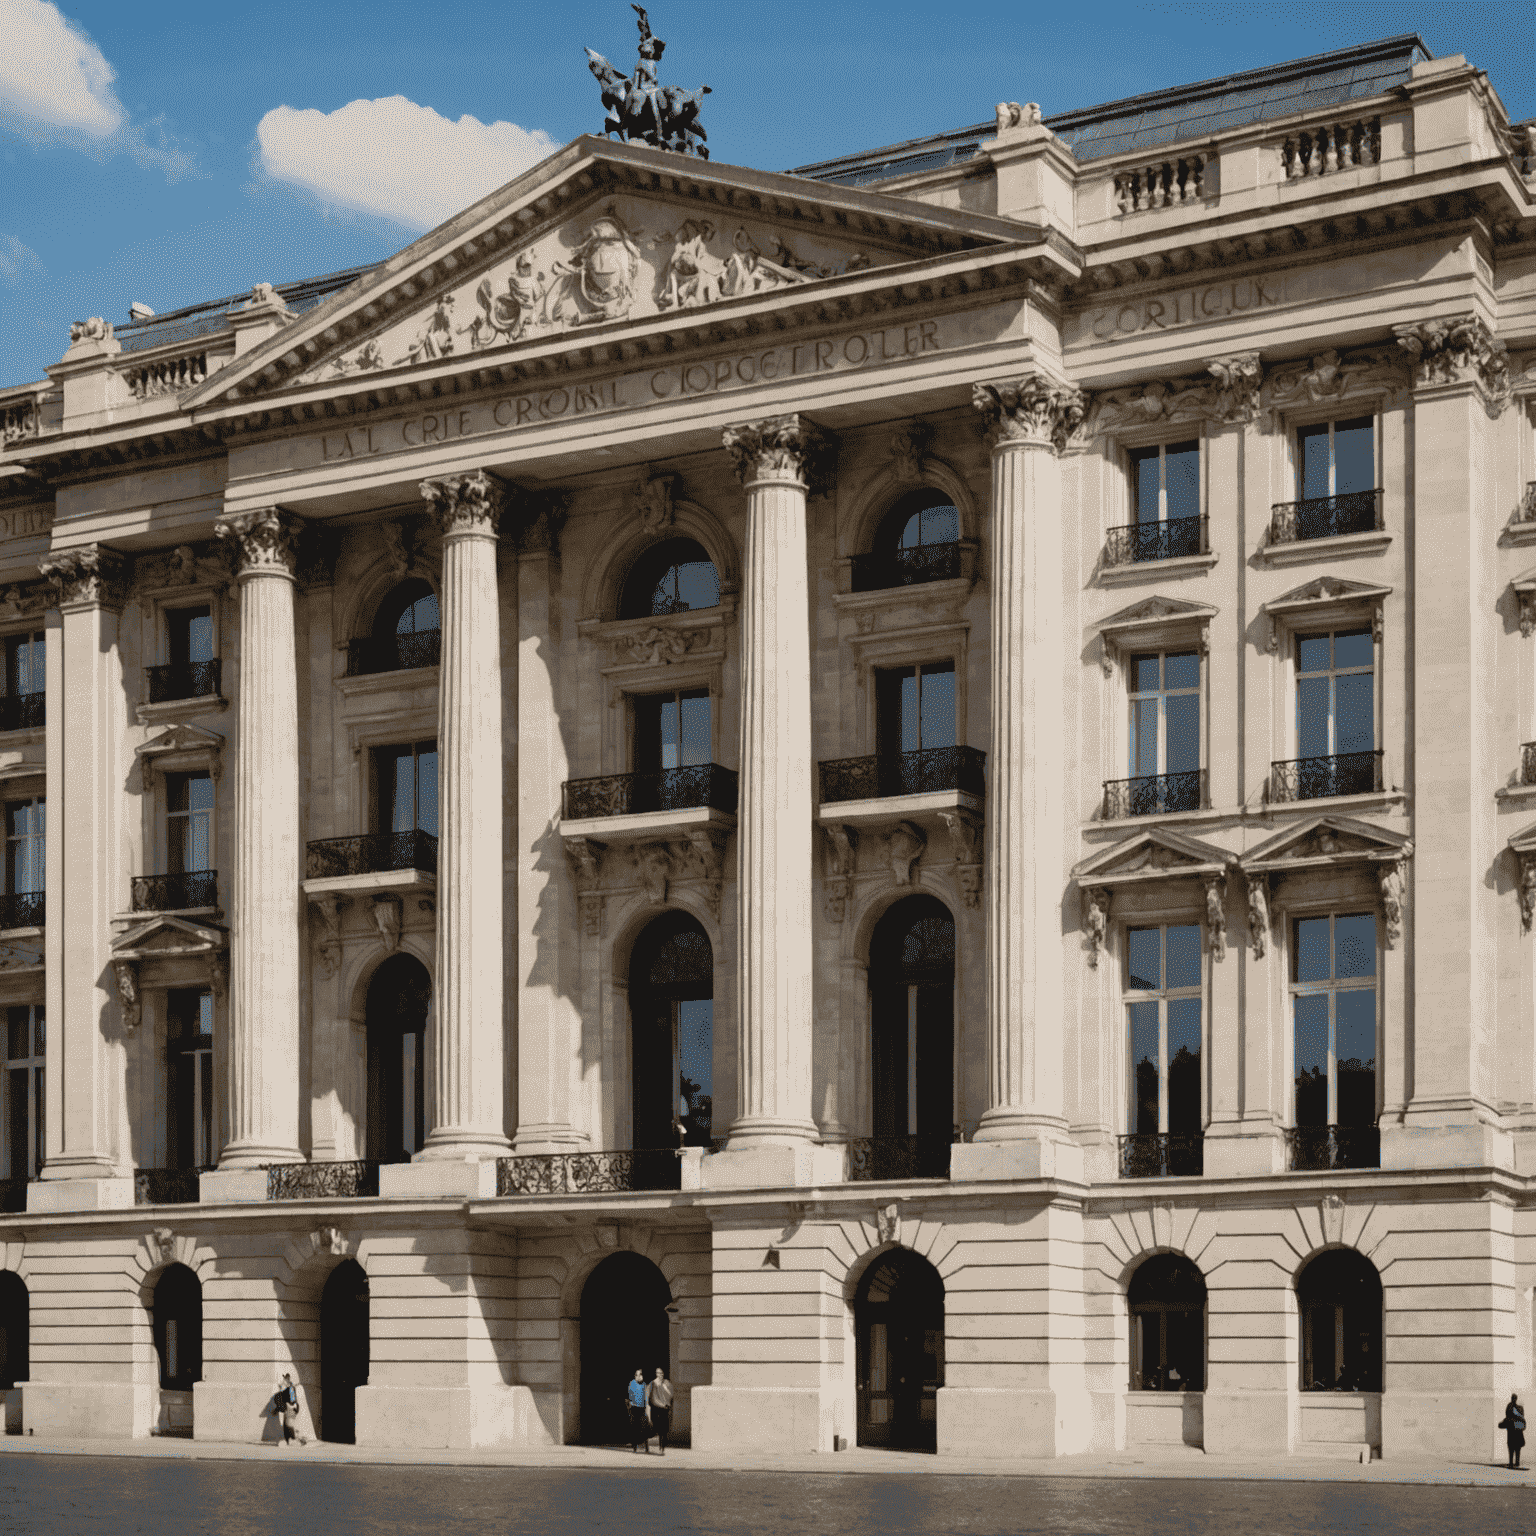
15 1347
1167 1304
343 1350
912 1038
898 1319
177 1312
1338 1295
672 1022
398 998
624 1329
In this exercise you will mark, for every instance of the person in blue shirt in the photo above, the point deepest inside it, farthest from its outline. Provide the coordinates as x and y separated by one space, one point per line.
639 1414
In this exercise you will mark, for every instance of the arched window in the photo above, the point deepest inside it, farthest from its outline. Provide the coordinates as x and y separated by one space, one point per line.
675 576
672 1013
918 540
178 1328
1167 1303
15 1330
407 632
398 997
1339 1297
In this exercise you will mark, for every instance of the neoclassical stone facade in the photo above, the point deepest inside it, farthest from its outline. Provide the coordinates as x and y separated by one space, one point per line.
901 788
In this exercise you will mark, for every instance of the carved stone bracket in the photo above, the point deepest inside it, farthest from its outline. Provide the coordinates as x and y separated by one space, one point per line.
1527 860
386 919
1389 880
654 863
328 908
1455 351
1525 595
904 846
1216 914
779 448
1241 378
842 849
1096 900
966 845
586 859
262 543
708 844
1029 409
465 505
94 574
126 974
1258 914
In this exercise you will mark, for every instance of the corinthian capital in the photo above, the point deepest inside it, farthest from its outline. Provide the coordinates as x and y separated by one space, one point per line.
94 574
776 448
264 542
1030 409
466 504
1457 351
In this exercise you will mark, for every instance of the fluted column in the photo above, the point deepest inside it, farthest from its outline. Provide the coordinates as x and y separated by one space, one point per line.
1029 420
466 1049
266 909
773 841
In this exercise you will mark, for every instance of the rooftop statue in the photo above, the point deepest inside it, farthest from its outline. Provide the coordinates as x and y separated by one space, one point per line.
641 108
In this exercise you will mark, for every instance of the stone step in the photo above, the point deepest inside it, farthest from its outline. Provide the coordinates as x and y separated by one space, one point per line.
1336 1450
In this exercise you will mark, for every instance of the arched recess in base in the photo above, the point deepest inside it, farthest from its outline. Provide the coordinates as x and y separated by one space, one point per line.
898 1314
1339 1297
624 1329
15 1347
176 1317
344 1350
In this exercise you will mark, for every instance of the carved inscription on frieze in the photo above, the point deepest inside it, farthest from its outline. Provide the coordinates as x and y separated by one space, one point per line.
1187 306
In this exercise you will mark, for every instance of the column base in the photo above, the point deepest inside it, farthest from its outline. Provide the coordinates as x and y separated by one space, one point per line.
434 1179
79 1195
772 1167
232 1186
457 1418
1235 1150
783 1421
1013 1422
1249 1423
1461 1143
545 1140
463 1146
1036 1158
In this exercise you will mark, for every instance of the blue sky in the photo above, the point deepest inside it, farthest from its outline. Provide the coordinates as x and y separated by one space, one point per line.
177 151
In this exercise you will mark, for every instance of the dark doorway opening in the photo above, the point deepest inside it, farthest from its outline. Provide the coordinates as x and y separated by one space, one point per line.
15 1333
398 997
672 1013
1166 1297
343 1350
625 1327
178 1328
1339 1297
899 1328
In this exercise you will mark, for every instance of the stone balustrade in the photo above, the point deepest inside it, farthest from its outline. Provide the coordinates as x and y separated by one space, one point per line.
1164 184
166 375
20 418
1324 148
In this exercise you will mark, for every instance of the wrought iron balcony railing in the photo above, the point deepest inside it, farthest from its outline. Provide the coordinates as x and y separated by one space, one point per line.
23 711
1317 1148
1161 1157
589 1173
322 1181
372 853
1168 540
1528 762
176 893
395 653
1317 778
1154 794
23 909
183 680
707 786
1325 517
13 1196
898 1157
906 567
904 773
167 1186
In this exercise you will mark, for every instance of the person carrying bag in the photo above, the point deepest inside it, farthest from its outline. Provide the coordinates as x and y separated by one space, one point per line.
1513 1425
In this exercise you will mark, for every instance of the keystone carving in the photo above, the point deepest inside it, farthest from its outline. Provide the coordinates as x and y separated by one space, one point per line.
386 918
842 849
1456 351
399 548
466 504
263 543
965 843
1216 914
1096 921
654 861
1029 409
183 566
908 449
1331 1209
126 975
903 848
94 574
888 1222
1258 914
332 1240
328 941
653 502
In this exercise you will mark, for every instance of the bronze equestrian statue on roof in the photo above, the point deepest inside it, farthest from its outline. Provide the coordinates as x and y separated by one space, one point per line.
639 108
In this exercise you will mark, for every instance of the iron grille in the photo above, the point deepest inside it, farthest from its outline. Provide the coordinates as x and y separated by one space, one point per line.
22 711
898 1157
1154 794
1169 540
1325 517
394 653
176 893
1161 1157
167 1186
1317 778
321 1181
588 1173
13 1195
674 789
904 773
371 854
1317 1148
1528 762
23 909
183 680
907 567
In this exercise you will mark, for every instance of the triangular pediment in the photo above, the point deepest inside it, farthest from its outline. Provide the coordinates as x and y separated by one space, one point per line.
600 236
1328 589
169 937
183 738
1322 840
1159 854
1156 610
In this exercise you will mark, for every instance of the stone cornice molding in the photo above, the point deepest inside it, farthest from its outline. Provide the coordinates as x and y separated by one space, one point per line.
262 543
466 506
93 576
789 450
1031 410
1459 350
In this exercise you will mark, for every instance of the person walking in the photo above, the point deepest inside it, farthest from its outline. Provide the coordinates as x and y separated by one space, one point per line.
639 1415
1513 1425
659 1396
287 1398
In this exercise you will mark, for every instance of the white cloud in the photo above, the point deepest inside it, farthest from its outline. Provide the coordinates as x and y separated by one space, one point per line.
53 77
16 258
395 159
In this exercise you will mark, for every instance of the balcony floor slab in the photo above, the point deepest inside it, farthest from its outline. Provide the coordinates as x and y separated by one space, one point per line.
892 808
648 826
367 884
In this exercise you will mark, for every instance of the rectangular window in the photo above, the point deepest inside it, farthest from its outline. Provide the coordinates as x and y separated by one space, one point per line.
1336 458
25 1041
1165 482
914 708
1162 989
406 788
1165 712
24 846
188 823
672 730
193 1130
1335 693
190 631
1333 990
24 658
